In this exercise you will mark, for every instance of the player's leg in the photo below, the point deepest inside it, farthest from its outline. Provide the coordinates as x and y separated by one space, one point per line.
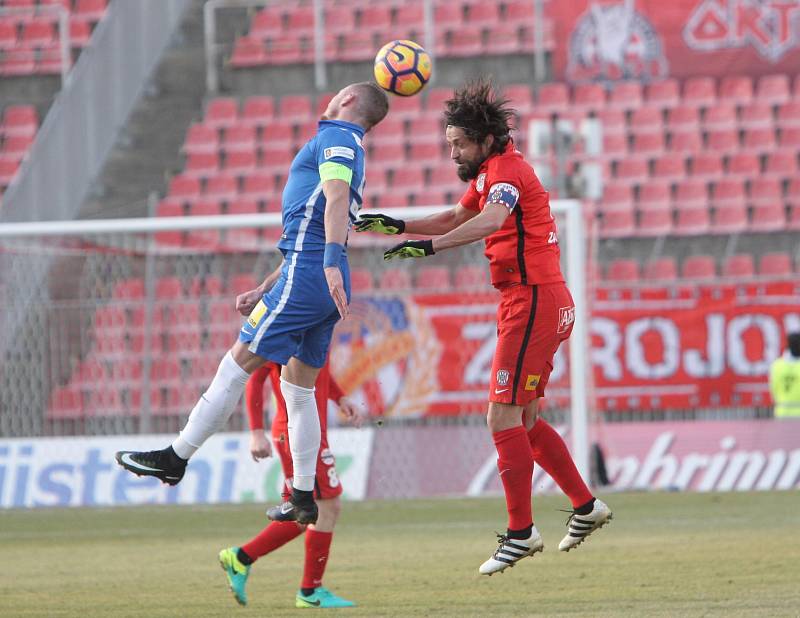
320 536
209 415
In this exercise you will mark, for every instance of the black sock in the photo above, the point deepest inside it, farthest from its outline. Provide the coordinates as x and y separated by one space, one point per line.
519 534
173 457
307 592
302 497
243 557
585 509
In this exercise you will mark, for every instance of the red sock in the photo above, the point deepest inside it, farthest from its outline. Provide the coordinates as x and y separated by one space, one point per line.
550 452
515 464
318 546
275 535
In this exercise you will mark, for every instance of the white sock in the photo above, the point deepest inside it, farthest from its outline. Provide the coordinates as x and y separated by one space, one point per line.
214 407
304 433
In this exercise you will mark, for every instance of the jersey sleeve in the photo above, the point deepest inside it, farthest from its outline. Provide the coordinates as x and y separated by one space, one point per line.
254 397
336 156
505 183
471 199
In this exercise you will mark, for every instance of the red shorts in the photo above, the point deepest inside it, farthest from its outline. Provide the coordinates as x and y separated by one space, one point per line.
532 321
327 484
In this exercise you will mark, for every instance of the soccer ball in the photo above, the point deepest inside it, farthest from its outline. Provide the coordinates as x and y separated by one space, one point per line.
402 67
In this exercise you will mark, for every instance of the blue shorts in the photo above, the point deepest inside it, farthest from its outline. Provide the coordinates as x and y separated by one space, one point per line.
296 317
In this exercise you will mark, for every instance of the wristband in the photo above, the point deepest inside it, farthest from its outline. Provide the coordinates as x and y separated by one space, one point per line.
333 253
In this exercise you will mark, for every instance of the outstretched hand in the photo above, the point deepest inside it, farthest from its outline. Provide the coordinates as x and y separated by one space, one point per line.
379 223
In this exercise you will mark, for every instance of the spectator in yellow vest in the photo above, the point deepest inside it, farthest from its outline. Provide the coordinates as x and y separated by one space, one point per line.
784 380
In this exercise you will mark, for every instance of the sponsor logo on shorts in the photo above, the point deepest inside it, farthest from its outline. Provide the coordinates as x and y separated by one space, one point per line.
502 377
326 456
566 316
339 151
257 313
532 382
480 182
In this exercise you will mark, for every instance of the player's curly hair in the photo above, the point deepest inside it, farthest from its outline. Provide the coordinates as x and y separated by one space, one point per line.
480 111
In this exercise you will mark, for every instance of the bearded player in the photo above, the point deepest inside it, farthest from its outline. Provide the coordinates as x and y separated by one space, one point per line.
291 322
507 206
236 561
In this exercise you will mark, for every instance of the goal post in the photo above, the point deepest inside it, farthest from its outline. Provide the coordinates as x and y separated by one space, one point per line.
98 261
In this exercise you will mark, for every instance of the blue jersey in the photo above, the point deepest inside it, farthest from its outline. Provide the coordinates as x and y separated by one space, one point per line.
334 153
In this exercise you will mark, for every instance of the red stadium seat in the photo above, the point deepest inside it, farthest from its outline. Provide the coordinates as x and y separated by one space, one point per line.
408 178
239 137
626 95
448 14
300 20
387 153
623 271
617 223
205 207
394 279
169 288
521 97
781 163
8 34
648 144
741 265
466 41
688 142
15 146
278 134
723 140
132 289
258 184
707 165
267 22
721 116
38 33
647 120
759 140
434 101
699 267
295 107
790 138
662 269
670 166
405 107
433 278
8 169
615 144
773 89
375 17
240 162
249 51
683 117
612 121
20 120
222 112
276 156
777 264
768 217
789 115
744 164
91 10
766 191
184 186
243 206
201 139
588 97
392 130
553 97
360 279
736 89
730 219
258 111
424 153
239 284
728 191
617 197
663 94
222 186
757 115
471 276
699 92
633 170
692 219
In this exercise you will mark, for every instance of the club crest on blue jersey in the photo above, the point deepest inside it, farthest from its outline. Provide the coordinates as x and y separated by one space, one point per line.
503 193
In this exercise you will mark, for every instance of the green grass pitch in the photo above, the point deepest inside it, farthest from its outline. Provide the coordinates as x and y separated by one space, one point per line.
664 554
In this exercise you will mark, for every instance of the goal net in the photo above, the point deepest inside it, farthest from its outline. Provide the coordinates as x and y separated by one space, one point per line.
113 327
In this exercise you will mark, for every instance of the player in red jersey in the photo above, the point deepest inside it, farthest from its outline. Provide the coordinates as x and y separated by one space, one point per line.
236 561
506 206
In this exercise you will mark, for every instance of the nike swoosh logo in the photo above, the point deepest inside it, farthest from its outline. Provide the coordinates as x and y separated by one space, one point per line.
126 459
316 603
497 391
286 507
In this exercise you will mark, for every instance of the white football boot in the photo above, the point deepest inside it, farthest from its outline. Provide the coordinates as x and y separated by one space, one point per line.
510 551
581 526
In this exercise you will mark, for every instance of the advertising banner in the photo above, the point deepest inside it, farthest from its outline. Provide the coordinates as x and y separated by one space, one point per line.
599 40
432 354
82 471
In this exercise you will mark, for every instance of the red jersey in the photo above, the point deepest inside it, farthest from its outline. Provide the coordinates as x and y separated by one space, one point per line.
525 250
325 388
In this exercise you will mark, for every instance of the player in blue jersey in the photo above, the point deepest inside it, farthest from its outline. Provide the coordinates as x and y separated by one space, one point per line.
291 315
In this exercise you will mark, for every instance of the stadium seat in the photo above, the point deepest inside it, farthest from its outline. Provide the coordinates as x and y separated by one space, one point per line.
201 139
408 178
617 197
38 33
736 89
744 164
699 267
249 51
623 271
648 144
433 279
240 162
721 116
655 195
258 111
789 115
617 223
8 34
707 165
394 279
20 120
8 170
521 97
277 134
469 276
661 269
184 186
244 206
688 142
202 164
405 107
663 94
740 265
773 89
296 107
766 191
267 22
222 186
632 170
691 219
276 156
393 153
647 120
613 121
221 112
759 140
360 279
683 117
588 97
501 40
626 95
728 191
723 140
757 115
90 10
241 283
789 138
699 92
730 219
422 153
239 137
168 288
775 264
390 130
553 97
435 98
258 184
770 217
466 41
670 166
131 289
205 207
448 14
781 163
615 145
